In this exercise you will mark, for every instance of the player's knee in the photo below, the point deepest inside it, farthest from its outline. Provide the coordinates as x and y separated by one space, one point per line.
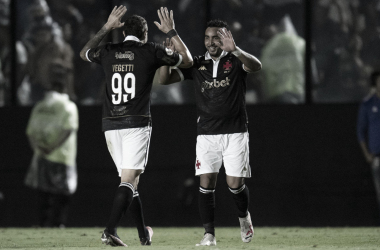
131 176
234 182
208 180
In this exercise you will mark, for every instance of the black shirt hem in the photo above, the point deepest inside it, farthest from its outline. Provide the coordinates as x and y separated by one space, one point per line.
125 122
221 132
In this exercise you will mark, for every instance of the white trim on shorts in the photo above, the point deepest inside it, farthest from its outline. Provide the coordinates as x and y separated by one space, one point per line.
129 148
230 149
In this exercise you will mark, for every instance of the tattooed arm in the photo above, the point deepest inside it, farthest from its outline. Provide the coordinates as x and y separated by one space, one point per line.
112 23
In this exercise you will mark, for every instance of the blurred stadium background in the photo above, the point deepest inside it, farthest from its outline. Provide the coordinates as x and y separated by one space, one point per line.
307 166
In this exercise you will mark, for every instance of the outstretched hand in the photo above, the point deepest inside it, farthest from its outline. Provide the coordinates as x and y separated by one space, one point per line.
115 17
227 42
167 21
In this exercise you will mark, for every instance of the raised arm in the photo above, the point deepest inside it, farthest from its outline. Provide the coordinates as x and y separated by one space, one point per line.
167 26
113 22
227 43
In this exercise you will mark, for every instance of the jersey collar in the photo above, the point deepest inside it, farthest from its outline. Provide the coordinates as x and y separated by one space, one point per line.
131 38
208 57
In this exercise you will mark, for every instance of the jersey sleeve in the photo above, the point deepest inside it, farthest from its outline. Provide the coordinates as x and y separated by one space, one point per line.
166 57
241 66
95 54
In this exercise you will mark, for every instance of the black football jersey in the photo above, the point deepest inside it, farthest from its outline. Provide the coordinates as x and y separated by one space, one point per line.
130 67
220 94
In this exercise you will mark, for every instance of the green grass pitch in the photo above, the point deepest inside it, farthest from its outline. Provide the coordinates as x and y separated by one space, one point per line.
186 238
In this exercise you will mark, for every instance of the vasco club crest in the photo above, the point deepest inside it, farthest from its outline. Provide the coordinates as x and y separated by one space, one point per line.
227 66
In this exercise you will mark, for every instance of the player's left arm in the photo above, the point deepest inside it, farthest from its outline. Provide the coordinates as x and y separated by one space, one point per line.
227 43
168 27
113 22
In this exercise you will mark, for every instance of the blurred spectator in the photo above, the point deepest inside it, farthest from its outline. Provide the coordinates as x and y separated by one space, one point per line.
5 52
68 17
44 43
64 31
77 32
283 57
368 131
52 133
371 33
353 73
341 27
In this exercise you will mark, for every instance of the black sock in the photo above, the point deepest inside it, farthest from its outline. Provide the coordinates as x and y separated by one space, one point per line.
138 216
122 200
60 203
43 208
241 197
206 209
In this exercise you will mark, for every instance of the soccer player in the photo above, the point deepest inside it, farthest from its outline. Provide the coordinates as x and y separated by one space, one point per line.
368 131
220 85
130 67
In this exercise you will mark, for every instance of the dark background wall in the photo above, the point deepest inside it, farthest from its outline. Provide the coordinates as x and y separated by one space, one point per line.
306 164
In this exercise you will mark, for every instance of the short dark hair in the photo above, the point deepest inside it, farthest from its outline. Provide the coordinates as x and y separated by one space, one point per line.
218 23
374 77
135 26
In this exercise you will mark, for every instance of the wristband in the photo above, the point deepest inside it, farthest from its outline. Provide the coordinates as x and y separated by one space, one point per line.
237 52
171 33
